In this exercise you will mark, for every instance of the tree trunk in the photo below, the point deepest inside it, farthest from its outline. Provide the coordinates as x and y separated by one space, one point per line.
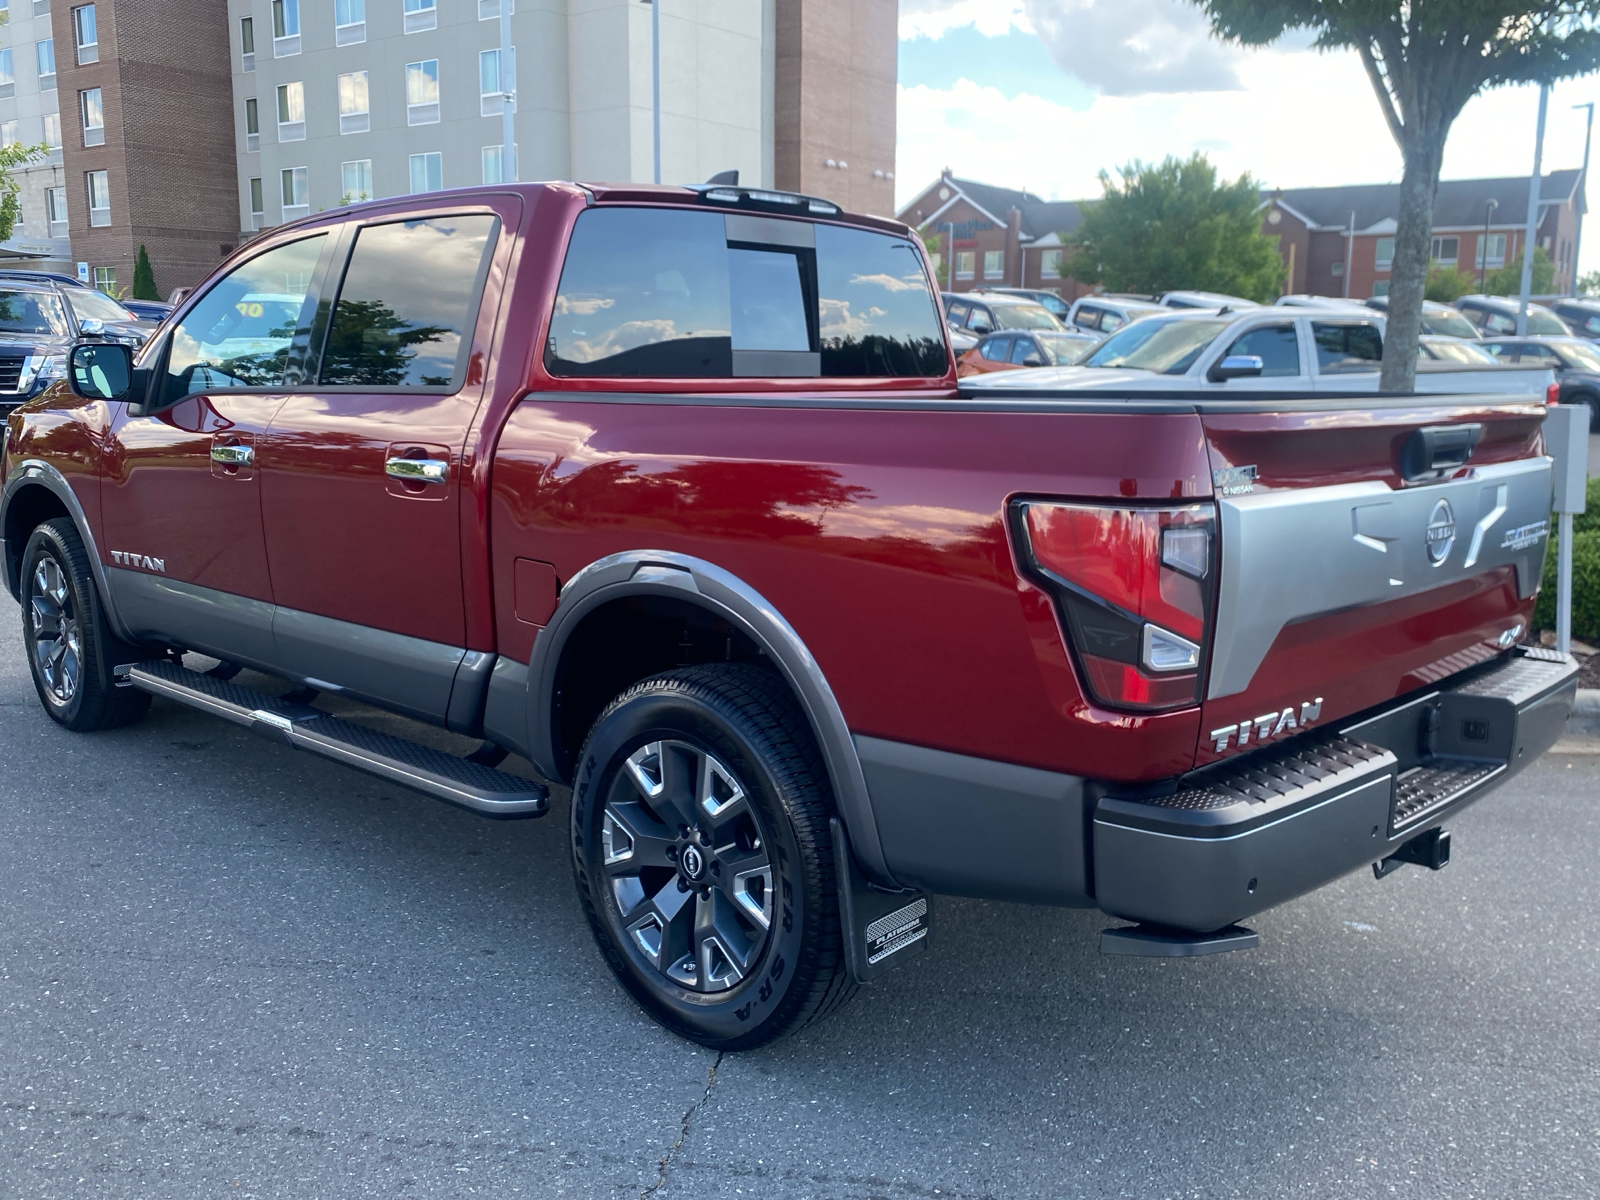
1413 250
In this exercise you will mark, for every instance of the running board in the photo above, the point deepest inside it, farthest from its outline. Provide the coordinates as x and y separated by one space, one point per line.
443 776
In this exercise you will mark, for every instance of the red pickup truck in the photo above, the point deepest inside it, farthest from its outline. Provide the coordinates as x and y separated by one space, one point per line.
673 491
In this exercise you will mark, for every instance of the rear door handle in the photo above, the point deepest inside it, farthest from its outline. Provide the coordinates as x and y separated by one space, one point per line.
417 470
233 455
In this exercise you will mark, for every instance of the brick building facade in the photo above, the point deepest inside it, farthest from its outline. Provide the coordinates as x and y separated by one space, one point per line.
157 171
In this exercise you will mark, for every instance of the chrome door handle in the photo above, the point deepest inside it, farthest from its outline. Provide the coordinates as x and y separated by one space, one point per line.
233 456
417 470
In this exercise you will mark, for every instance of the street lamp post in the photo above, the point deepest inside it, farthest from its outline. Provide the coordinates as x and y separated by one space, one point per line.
1483 250
655 83
1530 238
1583 192
508 99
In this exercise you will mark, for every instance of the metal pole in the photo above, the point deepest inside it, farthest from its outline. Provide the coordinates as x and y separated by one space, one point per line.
1564 584
655 82
1349 253
508 98
1583 192
1483 250
1529 239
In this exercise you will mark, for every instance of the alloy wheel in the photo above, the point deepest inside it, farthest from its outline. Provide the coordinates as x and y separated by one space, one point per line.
687 866
57 636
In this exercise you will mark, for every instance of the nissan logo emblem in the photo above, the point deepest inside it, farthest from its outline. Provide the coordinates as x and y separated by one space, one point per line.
693 864
1441 534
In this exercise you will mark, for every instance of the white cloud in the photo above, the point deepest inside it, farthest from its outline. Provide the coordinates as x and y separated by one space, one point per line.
1130 47
934 18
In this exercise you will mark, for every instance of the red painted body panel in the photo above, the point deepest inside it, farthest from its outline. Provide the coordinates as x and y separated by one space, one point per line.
879 535
67 432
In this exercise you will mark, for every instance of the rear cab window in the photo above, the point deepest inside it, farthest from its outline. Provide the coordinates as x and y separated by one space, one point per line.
1346 346
687 294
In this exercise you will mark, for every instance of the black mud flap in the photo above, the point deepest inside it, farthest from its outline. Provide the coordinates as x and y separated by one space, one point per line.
882 927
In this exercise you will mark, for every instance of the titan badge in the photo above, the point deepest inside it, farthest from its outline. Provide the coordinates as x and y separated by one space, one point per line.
1270 725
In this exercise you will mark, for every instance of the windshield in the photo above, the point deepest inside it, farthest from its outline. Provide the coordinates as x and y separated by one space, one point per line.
1024 316
1063 349
1457 352
1448 325
1169 347
87 303
32 312
1579 355
1543 321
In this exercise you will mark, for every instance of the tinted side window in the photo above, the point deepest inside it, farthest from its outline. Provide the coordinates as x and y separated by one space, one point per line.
1022 349
996 349
957 313
1496 323
980 318
408 303
877 314
1088 317
1275 345
1352 347
1111 322
240 332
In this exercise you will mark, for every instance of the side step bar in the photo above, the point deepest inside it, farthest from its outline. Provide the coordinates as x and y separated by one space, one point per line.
433 772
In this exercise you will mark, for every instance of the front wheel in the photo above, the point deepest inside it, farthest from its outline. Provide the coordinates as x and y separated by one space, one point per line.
701 852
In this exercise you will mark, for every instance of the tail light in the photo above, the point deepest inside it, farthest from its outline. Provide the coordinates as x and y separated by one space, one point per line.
1135 588
1552 394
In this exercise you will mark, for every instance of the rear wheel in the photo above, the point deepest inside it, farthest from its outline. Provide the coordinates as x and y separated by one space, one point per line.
71 650
702 856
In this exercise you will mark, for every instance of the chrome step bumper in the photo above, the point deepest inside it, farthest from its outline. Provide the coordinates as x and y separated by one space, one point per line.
422 768
1263 828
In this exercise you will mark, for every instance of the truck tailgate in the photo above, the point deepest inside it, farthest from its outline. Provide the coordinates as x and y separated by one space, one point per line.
1359 562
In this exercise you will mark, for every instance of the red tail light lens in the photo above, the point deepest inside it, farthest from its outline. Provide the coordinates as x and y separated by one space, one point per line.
1135 589
1552 394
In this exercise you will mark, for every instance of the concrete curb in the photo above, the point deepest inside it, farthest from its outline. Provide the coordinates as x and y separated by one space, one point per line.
1583 726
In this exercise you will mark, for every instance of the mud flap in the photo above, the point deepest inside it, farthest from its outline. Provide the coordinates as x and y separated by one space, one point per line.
882 927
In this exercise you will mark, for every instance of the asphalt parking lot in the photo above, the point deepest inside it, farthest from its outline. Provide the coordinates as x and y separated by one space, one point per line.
230 970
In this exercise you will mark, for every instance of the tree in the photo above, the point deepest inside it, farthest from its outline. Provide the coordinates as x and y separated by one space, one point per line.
14 158
1589 285
1169 226
930 240
1507 280
1449 284
1425 59
144 279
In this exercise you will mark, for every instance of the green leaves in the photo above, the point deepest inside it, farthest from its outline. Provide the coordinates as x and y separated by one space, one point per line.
1171 226
12 158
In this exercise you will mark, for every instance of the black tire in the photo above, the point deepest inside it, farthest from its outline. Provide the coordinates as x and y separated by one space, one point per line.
758 802
72 653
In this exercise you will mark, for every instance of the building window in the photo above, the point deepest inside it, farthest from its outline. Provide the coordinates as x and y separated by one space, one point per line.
1444 250
296 193
8 79
422 93
55 207
356 178
427 172
94 117
292 112
258 205
1380 287
965 259
8 133
47 63
489 10
52 131
1337 269
247 44
285 28
99 189
105 279
494 164
1050 264
83 33
349 22
491 88
354 114
252 124
994 264
1383 253
421 15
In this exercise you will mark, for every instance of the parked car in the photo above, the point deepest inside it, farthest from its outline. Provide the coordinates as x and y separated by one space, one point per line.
810 631
1204 300
179 295
960 340
35 335
1107 314
148 310
1434 348
982 312
1581 313
1040 296
1272 350
105 316
1575 360
1010 351
1437 318
1495 315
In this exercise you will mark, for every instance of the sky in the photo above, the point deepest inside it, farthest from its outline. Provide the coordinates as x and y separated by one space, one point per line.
1044 94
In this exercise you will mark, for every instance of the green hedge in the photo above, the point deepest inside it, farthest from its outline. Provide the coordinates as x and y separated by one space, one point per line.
1585 573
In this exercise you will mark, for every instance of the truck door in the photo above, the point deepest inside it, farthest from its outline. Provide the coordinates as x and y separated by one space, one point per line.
1283 360
181 484
361 472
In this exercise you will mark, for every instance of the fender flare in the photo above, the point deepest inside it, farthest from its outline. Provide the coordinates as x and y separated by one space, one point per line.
35 472
664 573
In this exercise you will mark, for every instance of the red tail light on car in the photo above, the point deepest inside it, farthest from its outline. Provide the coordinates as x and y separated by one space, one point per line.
1135 589
1552 394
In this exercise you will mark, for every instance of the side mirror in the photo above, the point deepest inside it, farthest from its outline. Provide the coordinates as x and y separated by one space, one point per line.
980 328
100 370
1236 366
92 327
1033 360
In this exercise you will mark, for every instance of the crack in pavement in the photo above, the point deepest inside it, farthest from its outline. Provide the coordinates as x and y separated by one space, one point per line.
683 1131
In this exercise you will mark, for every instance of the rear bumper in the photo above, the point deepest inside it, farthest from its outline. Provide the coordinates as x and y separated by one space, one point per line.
1257 830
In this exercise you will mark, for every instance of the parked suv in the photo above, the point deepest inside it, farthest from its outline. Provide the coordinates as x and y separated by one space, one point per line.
1040 296
983 312
1575 360
90 310
673 493
1582 314
1494 315
1438 319
1107 314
